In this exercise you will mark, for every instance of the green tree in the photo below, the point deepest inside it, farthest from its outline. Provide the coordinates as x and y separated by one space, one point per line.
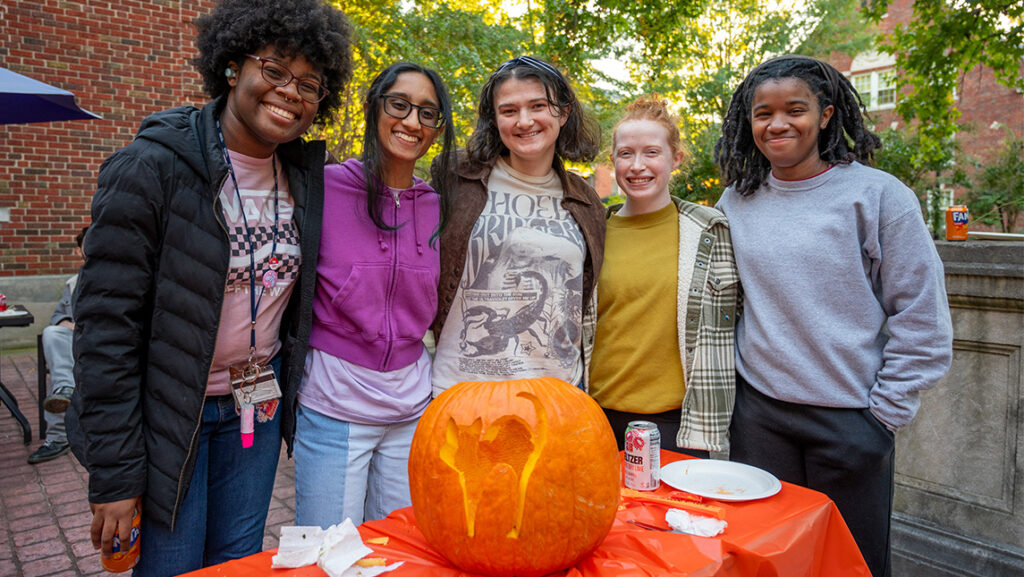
901 156
944 41
998 195
463 43
698 179
704 60
724 42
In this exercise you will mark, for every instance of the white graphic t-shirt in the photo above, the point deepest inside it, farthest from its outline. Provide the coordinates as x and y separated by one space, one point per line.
518 309
255 178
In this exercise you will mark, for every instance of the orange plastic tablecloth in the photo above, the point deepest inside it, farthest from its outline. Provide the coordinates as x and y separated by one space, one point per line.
797 532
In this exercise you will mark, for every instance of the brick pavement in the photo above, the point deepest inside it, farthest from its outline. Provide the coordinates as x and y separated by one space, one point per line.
44 513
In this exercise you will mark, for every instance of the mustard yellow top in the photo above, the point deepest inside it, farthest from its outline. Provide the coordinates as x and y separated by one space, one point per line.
636 365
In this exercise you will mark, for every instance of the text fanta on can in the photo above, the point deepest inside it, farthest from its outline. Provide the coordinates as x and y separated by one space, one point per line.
121 561
643 456
957 219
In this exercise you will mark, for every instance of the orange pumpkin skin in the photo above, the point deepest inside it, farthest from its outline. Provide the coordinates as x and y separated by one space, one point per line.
514 478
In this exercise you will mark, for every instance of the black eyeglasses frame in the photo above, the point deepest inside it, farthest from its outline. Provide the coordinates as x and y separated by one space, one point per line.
419 111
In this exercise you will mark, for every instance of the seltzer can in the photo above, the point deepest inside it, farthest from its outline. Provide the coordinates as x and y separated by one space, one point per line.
957 219
643 456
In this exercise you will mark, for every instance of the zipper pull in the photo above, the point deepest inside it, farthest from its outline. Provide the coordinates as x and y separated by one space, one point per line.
395 194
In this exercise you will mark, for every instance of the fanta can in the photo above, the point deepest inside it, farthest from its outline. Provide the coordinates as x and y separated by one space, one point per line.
957 218
121 561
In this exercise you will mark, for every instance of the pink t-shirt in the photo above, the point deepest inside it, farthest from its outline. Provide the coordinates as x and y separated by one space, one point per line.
256 180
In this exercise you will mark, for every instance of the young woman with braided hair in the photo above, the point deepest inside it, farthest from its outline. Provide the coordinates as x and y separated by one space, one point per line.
845 318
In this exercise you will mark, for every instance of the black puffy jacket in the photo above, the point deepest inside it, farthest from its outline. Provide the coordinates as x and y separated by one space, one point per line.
149 299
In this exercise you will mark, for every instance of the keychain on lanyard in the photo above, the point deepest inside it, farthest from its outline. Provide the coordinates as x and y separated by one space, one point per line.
253 369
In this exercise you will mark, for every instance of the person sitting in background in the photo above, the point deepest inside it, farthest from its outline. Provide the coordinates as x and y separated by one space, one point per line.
57 348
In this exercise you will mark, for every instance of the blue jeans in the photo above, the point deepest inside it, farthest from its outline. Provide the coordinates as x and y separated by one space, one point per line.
57 348
225 510
349 470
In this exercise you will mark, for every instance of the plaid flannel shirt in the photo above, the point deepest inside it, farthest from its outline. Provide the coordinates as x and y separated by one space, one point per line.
706 318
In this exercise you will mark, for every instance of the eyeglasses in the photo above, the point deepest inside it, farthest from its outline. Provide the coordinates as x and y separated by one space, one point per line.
398 107
279 75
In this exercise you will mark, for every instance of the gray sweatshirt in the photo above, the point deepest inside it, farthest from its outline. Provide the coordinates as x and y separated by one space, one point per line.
844 293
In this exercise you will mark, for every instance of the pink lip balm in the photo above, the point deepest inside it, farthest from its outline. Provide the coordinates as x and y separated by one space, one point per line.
247 426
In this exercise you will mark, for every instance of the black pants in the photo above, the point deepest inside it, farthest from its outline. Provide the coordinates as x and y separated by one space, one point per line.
668 426
845 453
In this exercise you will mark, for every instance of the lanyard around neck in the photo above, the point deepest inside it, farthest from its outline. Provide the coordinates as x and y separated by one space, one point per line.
254 303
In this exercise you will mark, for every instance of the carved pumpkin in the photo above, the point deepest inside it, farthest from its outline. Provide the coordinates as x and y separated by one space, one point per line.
514 478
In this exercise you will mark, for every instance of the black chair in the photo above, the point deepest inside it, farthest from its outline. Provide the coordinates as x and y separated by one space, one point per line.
41 371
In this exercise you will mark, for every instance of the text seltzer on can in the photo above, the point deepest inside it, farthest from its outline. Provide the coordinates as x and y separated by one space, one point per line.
643 456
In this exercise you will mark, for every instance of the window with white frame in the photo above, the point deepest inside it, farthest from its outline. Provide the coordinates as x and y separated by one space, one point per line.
877 88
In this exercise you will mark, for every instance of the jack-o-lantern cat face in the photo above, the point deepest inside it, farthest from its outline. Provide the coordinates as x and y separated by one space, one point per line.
515 477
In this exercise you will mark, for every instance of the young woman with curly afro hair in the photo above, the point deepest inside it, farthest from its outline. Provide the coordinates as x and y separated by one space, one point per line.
196 296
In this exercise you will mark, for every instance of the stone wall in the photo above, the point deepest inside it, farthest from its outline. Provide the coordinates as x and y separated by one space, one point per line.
959 503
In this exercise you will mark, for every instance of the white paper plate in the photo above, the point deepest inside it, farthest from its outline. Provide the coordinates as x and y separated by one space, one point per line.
13 313
721 480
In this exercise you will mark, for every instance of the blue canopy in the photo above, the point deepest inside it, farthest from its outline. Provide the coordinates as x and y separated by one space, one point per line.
24 100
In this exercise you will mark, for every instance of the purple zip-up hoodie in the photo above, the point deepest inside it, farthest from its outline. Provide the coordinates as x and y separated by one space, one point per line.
376 292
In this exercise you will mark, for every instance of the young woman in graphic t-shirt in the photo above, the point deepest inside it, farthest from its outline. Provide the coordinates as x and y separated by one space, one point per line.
522 250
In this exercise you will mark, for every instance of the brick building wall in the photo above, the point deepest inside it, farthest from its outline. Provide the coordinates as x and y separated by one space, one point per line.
987 108
983 102
123 60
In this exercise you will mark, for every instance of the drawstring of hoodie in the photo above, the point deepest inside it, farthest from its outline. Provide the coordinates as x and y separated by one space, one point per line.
380 234
415 225
382 243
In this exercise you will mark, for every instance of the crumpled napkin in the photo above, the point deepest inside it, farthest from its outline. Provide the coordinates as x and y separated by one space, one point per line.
298 547
334 550
694 524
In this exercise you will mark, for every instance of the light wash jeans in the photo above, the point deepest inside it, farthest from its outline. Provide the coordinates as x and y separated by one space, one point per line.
349 470
61 362
224 513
